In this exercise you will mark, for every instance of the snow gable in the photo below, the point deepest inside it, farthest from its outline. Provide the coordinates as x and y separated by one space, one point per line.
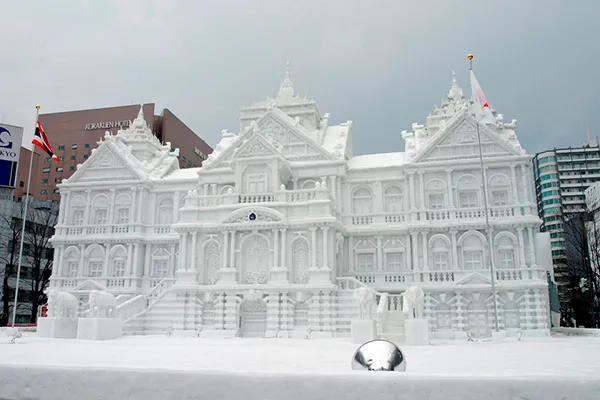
458 140
107 162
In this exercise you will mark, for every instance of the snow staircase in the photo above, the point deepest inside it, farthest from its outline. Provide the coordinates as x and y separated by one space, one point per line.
137 311
387 310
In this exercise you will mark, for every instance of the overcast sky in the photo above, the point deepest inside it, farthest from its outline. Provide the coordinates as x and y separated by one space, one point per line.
382 64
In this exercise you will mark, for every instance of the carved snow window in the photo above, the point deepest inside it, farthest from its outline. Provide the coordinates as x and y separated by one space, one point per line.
468 199
365 263
77 217
393 199
473 260
119 268
443 316
165 212
440 260
506 252
499 197
212 259
394 262
96 269
362 201
122 216
436 200
300 260
100 216
73 268
256 183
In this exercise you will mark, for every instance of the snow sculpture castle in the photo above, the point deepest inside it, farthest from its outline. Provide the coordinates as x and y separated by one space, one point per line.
279 226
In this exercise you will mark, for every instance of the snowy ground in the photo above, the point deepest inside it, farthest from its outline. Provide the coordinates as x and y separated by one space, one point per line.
191 368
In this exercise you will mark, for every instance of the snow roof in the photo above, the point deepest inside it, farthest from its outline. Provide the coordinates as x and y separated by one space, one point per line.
372 161
184 174
335 139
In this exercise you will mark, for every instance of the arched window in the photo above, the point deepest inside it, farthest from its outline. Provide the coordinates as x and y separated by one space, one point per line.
362 200
505 249
165 212
71 260
160 263
118 261
472 252
122 209
499 190
100 210
393 199
440 253
308 184
435 191
95 261
468 189
77 210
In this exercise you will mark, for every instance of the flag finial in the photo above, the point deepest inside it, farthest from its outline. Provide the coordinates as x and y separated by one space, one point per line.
470 57
37 106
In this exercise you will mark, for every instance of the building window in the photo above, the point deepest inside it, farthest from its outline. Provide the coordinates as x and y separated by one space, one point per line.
362 201
87 146
58 180
46 169
468 199
100 216
95 269
59 169
119 268
61 158
73 157
365 263
45 180
74 146
161 268
394 262
499 197
440 260
78 217
73 268
506 259
473 260
122 216
256 183
165 212
43 191
71 168
436 200
56 191
86 156
21 184
61 147
47 159
393 199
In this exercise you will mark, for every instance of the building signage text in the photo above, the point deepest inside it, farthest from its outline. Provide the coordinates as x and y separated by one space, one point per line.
107 125
198 152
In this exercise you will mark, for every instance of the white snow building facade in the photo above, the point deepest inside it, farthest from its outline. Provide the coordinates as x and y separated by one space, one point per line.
281 223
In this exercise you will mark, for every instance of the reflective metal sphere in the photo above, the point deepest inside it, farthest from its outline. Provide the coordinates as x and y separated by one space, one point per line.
379 355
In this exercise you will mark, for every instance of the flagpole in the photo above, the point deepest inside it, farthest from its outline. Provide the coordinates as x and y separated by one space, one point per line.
24 216
487 218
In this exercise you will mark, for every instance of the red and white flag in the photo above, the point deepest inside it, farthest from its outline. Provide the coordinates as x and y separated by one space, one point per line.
41 141
482 108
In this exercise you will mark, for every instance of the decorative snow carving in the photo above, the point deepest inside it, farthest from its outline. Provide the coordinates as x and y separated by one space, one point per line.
465 133
253 294
255 259
414 302
255 149
62 304
102 304
364 297
300 260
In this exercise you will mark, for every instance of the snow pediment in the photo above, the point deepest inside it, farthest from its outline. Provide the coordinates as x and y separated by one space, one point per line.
254 215
457 139
88 285
256 146
474 279
107 162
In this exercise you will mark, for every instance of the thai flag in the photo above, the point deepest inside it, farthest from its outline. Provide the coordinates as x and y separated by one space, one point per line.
41 141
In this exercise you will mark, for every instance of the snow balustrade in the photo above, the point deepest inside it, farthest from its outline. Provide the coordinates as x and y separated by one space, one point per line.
140 304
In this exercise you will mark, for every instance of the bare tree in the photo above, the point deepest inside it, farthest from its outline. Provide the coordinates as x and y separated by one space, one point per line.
10 240
39 230
582 241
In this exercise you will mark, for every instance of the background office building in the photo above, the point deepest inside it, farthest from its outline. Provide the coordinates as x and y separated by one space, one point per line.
561 178
74 134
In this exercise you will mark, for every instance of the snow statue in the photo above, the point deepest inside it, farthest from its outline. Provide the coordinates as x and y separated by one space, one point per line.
363 329
101 321
379 355
61 321
416 327
413 302
102 304
365 302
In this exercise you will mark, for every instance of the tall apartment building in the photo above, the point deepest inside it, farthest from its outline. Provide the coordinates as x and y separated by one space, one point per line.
73 135
561 178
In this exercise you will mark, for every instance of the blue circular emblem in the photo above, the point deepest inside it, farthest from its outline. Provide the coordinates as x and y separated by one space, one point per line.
252 216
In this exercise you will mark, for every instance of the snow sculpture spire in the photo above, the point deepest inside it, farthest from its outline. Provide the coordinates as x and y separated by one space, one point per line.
455 93
140 122
286 89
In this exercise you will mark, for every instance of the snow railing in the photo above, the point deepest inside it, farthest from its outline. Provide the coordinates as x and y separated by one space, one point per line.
138 305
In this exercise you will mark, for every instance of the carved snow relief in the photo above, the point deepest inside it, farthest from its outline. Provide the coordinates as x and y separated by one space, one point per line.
255 259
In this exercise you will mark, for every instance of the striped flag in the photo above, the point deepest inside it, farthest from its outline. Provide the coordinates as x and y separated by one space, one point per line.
482 108
41 141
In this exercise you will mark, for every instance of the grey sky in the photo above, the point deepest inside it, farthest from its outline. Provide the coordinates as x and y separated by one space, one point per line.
382 64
